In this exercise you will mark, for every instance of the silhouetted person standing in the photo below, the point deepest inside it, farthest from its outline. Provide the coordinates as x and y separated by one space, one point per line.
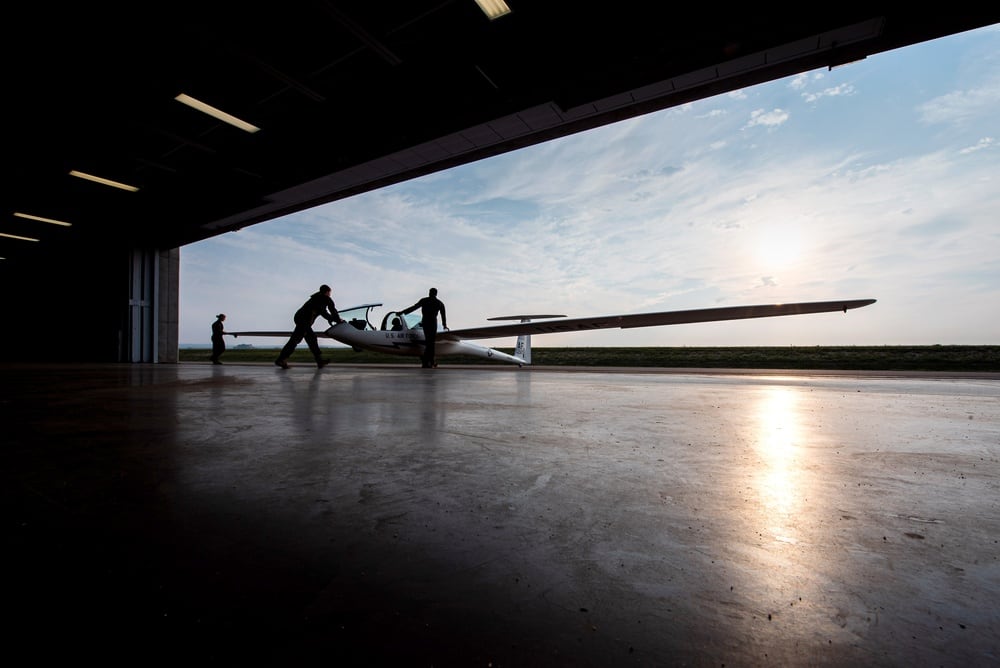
429 307
218 344
319 304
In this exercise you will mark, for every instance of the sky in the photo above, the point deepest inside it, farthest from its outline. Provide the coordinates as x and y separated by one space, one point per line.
879 179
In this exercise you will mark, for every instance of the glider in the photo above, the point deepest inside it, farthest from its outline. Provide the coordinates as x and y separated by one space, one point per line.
359 333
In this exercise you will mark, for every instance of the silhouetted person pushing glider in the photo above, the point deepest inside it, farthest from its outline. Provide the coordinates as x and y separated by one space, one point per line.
319 304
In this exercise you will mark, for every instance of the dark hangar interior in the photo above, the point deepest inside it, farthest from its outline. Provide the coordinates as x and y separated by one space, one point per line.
339 98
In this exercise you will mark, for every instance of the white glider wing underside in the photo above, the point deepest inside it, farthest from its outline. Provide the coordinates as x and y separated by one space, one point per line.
654 319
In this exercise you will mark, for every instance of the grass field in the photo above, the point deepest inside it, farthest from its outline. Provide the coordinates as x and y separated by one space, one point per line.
861 358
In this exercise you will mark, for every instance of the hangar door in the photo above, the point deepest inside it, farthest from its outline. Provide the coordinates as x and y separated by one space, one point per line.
151 324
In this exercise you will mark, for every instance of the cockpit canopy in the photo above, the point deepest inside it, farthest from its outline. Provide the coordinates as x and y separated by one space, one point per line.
360 318
397 321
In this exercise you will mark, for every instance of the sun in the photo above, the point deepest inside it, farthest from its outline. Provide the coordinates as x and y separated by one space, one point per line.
778 247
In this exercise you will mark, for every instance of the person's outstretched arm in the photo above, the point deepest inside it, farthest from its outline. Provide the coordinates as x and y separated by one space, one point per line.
334 315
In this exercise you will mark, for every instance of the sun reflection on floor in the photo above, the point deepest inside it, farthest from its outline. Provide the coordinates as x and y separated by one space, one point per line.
777 441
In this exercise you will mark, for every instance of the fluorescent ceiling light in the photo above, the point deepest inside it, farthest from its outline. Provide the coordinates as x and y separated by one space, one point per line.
14 236
44 220
215 113
493 9
107 182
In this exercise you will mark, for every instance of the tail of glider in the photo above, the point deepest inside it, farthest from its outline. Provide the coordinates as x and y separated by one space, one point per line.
522 349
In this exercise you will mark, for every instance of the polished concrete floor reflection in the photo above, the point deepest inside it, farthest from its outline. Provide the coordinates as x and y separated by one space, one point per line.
193 514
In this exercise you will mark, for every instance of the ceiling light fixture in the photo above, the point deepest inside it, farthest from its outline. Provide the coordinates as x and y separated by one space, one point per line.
14 236
215 113
493 9
107 182
44 220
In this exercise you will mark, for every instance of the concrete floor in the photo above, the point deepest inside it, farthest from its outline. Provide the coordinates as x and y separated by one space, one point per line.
499 517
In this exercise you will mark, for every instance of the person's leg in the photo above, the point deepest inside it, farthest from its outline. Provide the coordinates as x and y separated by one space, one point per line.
430 340
425 356
289 348
310 337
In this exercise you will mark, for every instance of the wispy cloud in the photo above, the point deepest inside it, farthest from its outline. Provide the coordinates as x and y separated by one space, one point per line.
772 118
985 142
835 91
960 107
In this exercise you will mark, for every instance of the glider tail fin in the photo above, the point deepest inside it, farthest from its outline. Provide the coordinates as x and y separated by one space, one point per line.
523 347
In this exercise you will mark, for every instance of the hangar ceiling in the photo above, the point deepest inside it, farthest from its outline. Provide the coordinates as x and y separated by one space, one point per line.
348 96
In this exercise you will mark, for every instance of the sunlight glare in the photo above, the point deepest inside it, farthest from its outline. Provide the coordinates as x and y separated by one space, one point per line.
778 247
778 435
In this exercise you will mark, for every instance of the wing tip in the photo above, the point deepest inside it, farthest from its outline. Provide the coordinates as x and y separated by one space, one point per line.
858 303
